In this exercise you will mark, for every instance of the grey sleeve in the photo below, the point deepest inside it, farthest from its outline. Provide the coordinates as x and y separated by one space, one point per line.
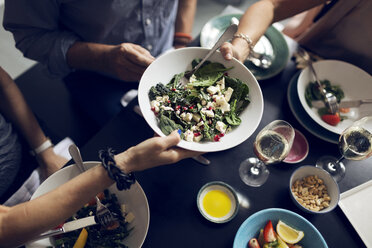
36 29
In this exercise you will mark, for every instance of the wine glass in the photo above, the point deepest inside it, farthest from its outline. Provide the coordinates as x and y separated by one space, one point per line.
355 143
272 145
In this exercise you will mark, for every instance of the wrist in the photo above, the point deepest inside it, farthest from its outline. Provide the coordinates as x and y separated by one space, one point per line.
46 145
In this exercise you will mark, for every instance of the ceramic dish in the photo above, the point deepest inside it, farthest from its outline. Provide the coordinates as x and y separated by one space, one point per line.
217 202
272 43
303 118
356 204
167 65
299 150
329 182
134 198
356 84
252 225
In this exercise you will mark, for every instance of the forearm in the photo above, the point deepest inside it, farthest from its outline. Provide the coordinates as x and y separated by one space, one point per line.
185 16
258 17
65 201
88 56
14 107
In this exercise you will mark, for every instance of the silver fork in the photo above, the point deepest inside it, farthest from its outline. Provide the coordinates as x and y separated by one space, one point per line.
103 215
329 98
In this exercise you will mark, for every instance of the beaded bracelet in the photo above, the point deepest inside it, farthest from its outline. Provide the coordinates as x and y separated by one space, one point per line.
247 39
123 180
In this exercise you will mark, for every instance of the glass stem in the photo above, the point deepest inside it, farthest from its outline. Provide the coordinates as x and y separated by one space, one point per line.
340 159
256 168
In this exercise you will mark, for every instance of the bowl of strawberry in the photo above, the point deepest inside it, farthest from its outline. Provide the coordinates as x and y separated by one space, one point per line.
276 227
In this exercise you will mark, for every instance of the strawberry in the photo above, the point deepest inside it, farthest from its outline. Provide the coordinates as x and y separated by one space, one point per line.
269 234
253 243
332 120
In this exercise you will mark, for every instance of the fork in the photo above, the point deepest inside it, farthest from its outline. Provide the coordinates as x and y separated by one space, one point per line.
329 98
103 215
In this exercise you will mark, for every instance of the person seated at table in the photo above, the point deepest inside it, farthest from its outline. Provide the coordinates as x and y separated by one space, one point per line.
337 29
25 221
20 131
118 39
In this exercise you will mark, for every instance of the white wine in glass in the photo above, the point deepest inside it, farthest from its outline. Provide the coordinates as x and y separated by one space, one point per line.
355 143
272 145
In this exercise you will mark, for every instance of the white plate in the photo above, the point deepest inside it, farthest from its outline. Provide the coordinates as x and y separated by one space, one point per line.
134 199
356 84
356 204
166 66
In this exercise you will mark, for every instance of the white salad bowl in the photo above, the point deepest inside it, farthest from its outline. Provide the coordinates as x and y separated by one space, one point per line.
167 65
355 83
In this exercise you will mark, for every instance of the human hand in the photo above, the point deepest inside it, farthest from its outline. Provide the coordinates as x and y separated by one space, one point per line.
237 49
50 162
127 61
153 152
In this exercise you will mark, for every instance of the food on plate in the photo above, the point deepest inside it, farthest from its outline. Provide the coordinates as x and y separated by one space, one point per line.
311 193
312 94
288 234
284 237
96 235
205 107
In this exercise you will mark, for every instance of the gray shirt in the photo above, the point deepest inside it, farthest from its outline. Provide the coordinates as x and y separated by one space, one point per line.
10 155
45 29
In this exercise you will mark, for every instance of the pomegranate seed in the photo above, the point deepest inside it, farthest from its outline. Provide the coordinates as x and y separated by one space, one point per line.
221 135
216 138
173 89
153 108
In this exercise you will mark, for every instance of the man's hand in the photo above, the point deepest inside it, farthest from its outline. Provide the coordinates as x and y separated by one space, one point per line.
128 61
153 152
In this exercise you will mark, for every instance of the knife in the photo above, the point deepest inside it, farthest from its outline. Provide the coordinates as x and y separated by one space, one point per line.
69 226
343 104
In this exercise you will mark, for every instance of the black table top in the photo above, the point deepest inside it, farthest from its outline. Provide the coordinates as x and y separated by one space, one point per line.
171 190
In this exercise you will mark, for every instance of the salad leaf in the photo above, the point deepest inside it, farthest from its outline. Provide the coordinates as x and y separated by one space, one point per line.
167 125
208 74
233 119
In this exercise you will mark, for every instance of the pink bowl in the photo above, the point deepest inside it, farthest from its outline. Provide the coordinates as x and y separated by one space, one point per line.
299 150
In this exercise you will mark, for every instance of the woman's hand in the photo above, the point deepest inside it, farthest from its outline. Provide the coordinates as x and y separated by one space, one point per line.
50 162
238 49
153 152
127 61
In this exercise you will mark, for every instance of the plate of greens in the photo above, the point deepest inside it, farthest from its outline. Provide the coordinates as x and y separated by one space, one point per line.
271 43
346 81
132 204
217 108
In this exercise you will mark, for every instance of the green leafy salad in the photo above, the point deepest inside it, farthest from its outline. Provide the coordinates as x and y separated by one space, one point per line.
312 92
97 235
204 108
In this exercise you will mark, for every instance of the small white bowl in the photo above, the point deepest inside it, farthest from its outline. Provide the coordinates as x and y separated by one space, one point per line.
225 188
329 182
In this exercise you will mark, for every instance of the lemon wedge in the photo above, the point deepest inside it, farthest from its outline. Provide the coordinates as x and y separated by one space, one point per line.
288 234
281 243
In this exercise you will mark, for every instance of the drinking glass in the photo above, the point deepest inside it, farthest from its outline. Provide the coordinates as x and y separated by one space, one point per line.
355 143
272 145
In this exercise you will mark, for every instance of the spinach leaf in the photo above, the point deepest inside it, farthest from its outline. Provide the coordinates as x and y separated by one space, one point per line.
167 125
208 74
233 119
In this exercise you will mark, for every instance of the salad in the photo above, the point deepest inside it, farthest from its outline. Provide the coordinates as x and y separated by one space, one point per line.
312 94
284 237
96 236
205 107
